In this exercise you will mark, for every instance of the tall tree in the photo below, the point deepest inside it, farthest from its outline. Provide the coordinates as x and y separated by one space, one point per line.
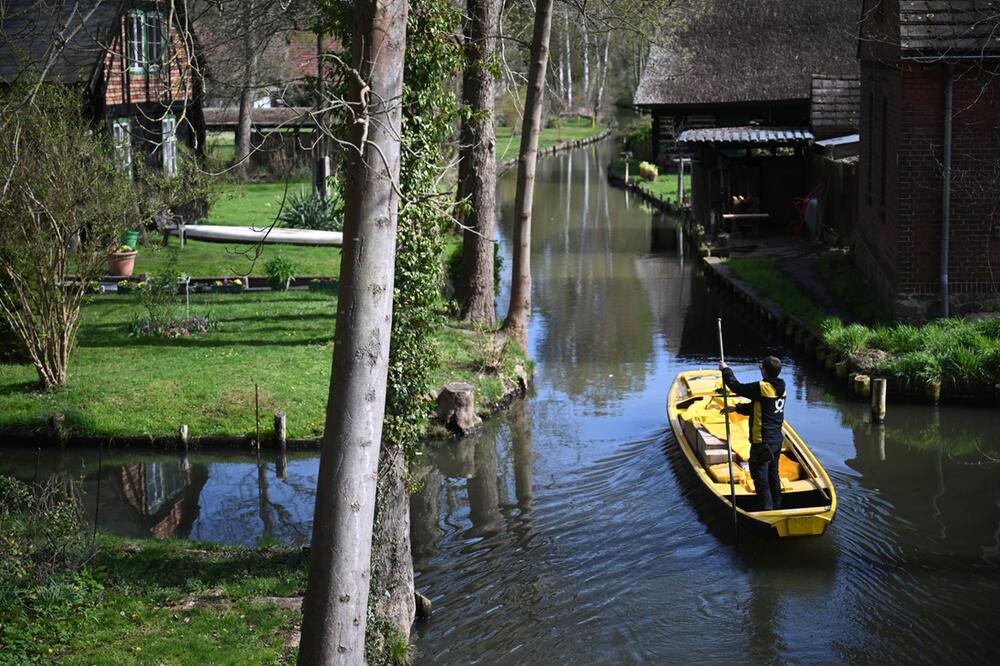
477 168
519 310
336 602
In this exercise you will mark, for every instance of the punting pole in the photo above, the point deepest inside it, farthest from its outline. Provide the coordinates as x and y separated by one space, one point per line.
729 444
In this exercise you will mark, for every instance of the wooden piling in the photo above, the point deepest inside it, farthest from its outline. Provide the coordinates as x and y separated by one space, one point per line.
280 431
841 369
864 383
932 390
878 399
183 435
57 430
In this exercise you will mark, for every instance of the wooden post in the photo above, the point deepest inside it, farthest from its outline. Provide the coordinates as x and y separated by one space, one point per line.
280 431
862 385
878 400
841 369
57 430
183 435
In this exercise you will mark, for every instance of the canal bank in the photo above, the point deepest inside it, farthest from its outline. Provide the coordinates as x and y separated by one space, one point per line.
568 529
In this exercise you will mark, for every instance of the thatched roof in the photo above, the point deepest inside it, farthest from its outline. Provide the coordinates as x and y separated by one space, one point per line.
752 51
836 103
34 32
949 28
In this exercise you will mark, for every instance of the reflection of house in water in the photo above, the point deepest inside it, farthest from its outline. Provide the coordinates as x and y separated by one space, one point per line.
156 498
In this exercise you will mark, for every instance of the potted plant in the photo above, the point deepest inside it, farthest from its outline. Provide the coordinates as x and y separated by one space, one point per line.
121 261
280 273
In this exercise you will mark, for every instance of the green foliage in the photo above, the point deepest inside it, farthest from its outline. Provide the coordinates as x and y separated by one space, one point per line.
638 138
63 204
41 533
280 271
158 297
307 211
950 350
648 171
846 340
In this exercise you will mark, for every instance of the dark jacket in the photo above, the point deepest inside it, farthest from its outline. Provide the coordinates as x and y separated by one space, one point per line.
766 409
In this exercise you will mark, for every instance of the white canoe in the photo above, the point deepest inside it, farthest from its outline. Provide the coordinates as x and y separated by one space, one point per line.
225 234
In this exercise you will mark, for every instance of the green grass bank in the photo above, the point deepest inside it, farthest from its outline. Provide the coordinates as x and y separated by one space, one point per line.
958 353
664 187
120 385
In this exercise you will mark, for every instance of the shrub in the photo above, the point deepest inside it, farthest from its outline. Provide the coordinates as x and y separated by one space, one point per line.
280 271
42 531
639 139
305 211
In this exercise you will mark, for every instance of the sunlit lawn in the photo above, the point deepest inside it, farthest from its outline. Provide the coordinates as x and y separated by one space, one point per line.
281 341
201 258
508 142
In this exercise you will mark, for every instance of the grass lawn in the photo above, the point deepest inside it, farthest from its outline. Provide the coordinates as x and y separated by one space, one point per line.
161 602
767 278
201 258
664 187
253 204
282 341
573 129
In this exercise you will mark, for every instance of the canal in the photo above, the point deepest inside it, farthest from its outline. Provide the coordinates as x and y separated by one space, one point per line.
570 531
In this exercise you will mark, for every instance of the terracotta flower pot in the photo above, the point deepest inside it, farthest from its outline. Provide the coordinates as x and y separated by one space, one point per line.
121 263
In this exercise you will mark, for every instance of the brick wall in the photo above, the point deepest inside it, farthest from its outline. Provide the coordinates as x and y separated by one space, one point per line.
166 84
902 230
878 225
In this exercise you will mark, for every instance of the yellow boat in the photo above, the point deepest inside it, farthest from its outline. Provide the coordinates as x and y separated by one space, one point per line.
808 498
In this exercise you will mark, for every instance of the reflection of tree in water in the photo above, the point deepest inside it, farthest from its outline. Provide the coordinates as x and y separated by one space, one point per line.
596 323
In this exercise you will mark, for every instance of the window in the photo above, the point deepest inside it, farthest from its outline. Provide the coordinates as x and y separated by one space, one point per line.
169 147
122 139
145 44
136 42
154 39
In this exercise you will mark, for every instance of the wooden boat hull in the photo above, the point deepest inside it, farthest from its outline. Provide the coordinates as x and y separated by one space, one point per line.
810 501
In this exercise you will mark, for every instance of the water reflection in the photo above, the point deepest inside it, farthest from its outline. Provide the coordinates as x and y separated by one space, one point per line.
569 529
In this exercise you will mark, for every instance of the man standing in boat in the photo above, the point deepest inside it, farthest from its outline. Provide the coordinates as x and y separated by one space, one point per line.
766 410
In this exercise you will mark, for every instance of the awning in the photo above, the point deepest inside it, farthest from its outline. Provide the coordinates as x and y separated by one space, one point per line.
840 140
746 135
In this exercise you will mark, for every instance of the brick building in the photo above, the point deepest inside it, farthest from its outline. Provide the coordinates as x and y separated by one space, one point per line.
918 59
136 66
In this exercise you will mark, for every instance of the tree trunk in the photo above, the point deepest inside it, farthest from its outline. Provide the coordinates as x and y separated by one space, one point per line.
516 324
392 562
604 77
569 65
478 166
241 150
336 602
586 61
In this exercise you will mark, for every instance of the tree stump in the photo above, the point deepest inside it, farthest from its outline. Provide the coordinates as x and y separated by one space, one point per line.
456 408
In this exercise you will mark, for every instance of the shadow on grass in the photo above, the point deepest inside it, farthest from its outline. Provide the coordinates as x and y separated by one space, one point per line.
181 565
22 387
202 343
